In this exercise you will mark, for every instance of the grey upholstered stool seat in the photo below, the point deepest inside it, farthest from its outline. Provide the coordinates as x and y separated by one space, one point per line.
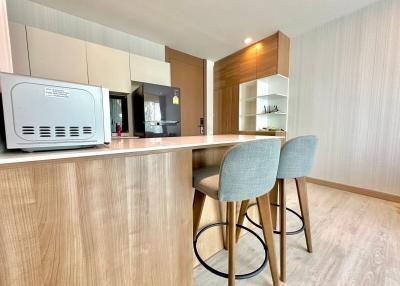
247 171
296 161
206 180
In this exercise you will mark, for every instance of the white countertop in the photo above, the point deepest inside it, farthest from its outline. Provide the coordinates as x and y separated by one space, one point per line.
129 146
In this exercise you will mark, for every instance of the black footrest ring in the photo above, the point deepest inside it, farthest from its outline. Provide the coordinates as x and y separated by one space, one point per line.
222 274
277 231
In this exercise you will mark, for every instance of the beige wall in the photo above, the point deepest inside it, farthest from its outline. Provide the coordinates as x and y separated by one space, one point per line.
345 88
5 47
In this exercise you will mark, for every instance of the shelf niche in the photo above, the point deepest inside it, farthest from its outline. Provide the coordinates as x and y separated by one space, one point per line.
255 97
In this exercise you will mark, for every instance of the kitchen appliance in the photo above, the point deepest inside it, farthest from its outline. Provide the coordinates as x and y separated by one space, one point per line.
157 111
42 114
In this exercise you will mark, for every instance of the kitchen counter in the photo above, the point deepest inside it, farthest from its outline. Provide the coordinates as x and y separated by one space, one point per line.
111 215
128 146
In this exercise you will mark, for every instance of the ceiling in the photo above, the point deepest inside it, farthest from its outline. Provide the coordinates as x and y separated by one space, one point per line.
208 29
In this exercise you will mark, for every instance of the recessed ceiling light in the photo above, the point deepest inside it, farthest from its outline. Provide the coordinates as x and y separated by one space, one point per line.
248 41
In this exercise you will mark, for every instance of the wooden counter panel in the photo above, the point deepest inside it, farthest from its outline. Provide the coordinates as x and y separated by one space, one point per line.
116 221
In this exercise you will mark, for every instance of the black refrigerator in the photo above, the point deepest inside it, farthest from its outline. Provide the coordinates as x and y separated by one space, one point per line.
156 111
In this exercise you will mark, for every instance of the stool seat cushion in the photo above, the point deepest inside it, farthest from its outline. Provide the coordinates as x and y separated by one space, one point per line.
206 180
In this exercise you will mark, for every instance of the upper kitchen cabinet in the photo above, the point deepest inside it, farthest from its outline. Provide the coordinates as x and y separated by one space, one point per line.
109 68
273 56
19 49
57 56
149 70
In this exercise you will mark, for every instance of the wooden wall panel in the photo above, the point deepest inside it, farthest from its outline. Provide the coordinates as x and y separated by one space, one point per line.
188 73
116 221
344 88
267 56
264 58
283 54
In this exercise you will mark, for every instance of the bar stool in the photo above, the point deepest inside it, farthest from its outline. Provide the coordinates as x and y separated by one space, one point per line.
296 161
247 171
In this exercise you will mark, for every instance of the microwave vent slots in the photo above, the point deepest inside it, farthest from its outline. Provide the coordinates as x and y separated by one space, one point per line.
74 131
87 130
60 131
44 131
28 130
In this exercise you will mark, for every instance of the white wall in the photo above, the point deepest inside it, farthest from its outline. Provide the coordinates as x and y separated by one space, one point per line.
39 16
345 88
5 47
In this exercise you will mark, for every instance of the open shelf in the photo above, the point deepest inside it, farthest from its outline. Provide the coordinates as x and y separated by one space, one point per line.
258 95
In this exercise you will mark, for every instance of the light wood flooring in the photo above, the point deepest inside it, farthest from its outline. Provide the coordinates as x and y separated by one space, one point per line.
356 241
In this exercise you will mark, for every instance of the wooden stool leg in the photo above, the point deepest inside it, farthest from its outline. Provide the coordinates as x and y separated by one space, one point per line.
303 200
282 203
242 212
198 204
232 242
273 195
264 209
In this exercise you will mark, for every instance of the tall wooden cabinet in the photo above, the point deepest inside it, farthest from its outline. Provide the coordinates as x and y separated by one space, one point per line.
56 56
265 58
187 73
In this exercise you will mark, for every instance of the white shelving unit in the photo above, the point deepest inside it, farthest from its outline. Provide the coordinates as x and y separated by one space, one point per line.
254 99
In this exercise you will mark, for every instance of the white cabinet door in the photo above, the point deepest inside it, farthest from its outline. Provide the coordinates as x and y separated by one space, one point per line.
56 56
19 49
149 70
108 68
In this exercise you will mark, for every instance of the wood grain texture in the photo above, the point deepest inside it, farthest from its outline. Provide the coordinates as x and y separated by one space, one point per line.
267 56
283 54
355 241
344 83
98 222
187 73
256 61
301 185
282 229
264 208
6 64
232 243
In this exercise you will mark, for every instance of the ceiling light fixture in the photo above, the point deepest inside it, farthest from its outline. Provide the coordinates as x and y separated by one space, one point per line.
248 41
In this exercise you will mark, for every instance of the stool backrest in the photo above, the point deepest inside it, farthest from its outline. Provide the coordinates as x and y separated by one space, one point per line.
249 170
297 157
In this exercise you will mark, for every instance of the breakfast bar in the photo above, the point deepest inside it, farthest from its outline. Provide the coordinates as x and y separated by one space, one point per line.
112 215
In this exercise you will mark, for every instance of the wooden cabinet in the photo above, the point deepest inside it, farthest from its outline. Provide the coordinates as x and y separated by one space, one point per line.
19 49
226 109
108 67
149 70
265 58
56 56
187 73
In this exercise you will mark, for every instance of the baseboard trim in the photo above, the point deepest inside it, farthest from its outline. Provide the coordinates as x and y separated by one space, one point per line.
356 190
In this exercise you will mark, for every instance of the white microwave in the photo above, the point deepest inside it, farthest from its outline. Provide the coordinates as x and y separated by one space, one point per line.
42 114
